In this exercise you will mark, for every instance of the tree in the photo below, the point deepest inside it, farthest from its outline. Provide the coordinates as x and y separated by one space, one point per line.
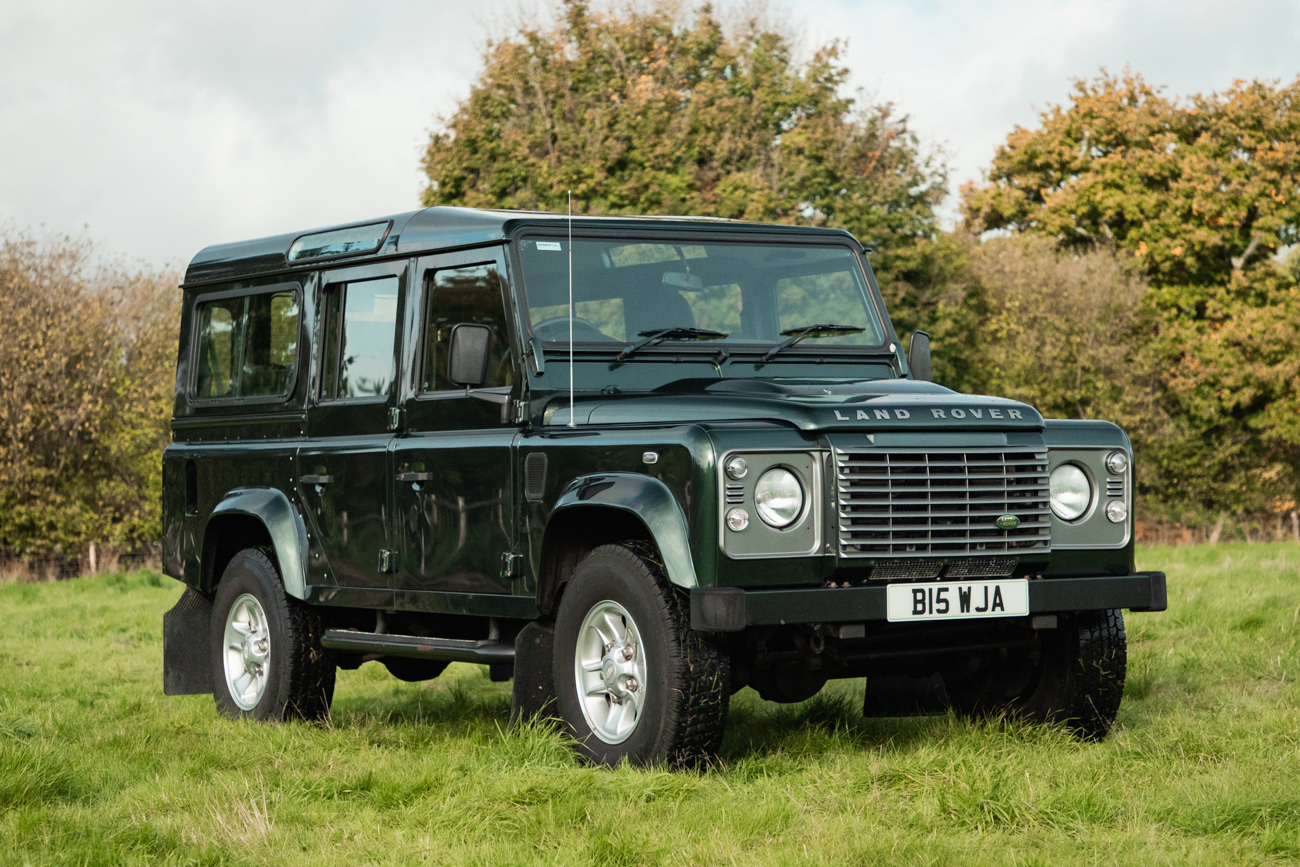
86 374
1197 193
636 112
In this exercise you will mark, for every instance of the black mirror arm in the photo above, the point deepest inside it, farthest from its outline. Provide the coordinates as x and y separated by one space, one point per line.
489 395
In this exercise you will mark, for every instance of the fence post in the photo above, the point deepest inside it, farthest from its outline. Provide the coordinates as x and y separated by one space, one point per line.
1218 528
1295 524
94 561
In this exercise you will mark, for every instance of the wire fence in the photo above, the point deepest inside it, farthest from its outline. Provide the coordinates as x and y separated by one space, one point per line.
1278 527
61 565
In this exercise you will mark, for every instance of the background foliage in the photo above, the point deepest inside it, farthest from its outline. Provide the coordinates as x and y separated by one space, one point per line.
87 367
1199 195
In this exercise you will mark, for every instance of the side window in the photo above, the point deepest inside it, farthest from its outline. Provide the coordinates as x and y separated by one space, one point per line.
270 344
360 330
456 295
248 346
218 344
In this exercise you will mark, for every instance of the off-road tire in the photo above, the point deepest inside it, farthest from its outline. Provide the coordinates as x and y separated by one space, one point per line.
300 676
1075 677
688 672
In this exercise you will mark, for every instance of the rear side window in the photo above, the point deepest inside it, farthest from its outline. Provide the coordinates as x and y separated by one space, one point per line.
360 333
248 345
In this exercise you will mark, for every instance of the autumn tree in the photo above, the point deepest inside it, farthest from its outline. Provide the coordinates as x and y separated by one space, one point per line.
86 376
1200 194
638 111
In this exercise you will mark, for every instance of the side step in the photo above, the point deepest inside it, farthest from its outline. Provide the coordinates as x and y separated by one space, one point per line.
418 647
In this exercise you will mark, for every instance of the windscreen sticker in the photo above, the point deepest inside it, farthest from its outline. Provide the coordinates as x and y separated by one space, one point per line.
549 245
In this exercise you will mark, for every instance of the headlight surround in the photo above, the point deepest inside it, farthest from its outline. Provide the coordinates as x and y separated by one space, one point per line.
779 498
1071 492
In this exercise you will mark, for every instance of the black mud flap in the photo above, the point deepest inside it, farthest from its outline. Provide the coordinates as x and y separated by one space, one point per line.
898 695
534 688
187 670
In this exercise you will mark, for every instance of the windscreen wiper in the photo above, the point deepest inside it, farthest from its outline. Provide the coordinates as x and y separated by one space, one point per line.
659 335
794 335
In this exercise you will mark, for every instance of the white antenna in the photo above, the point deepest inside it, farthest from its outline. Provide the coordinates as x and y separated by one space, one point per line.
571 408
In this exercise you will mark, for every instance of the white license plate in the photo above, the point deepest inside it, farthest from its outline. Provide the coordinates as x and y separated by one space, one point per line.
957 600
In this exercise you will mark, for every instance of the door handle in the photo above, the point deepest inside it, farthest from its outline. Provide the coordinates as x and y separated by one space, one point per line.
316 479
415 477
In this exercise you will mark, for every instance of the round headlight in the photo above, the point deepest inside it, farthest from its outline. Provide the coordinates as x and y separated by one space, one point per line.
1071 492
1117 462
778 497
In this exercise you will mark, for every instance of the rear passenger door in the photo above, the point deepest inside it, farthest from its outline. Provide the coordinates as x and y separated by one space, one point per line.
454 496
344 470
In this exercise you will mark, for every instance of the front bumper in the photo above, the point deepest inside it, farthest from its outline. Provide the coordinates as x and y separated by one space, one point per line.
731 609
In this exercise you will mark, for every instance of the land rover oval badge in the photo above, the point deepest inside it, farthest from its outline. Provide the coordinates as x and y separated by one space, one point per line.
1008 522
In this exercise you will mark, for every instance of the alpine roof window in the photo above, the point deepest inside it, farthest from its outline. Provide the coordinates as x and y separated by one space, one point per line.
340 242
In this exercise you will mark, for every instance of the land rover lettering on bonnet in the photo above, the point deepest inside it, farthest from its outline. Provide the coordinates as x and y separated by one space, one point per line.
633 464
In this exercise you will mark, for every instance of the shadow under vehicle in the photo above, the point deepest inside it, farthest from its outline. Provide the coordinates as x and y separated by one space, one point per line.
634 463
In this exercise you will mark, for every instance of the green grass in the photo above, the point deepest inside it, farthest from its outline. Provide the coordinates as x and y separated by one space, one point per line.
98 767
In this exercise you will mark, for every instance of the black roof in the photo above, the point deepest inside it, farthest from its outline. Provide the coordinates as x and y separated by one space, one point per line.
444 228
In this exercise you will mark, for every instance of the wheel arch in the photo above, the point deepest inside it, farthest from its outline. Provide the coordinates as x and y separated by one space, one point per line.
613 507
252 518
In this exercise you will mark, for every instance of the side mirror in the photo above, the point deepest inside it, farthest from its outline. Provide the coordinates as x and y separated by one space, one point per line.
467 354
918 356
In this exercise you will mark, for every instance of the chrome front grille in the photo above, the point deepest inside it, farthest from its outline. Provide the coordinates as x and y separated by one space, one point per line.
919 503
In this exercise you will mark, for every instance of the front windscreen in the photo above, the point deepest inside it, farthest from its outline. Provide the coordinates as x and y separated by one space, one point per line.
754 293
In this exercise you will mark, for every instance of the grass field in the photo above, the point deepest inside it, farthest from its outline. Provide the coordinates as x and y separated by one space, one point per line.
98 767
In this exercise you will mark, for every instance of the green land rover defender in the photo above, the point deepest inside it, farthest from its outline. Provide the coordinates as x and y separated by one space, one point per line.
635 464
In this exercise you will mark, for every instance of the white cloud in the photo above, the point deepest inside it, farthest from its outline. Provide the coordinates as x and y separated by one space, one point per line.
162 127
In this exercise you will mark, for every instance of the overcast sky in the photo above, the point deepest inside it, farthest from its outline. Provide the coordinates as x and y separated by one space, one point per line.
156 128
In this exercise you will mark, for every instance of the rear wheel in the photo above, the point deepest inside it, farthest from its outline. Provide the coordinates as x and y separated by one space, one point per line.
267 661
633 680
1074 676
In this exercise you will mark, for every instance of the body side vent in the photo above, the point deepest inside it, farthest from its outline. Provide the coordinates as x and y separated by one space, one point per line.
535 476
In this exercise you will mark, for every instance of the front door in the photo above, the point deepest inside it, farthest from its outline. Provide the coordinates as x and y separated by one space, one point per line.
454 496
343 476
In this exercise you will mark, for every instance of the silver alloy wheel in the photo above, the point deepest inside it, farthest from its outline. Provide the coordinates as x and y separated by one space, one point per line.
610 671
247 651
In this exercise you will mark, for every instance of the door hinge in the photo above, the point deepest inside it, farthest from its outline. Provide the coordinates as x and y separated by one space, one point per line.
387 561
396 418
512 565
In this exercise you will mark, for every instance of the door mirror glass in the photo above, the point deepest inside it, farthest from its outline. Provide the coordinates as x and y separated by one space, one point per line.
469 354
918 356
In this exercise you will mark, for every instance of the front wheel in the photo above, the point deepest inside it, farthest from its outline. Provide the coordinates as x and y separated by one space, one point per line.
633 680
267 661
1075 676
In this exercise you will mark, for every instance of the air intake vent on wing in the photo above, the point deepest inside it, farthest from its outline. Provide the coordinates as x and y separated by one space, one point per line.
535 476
